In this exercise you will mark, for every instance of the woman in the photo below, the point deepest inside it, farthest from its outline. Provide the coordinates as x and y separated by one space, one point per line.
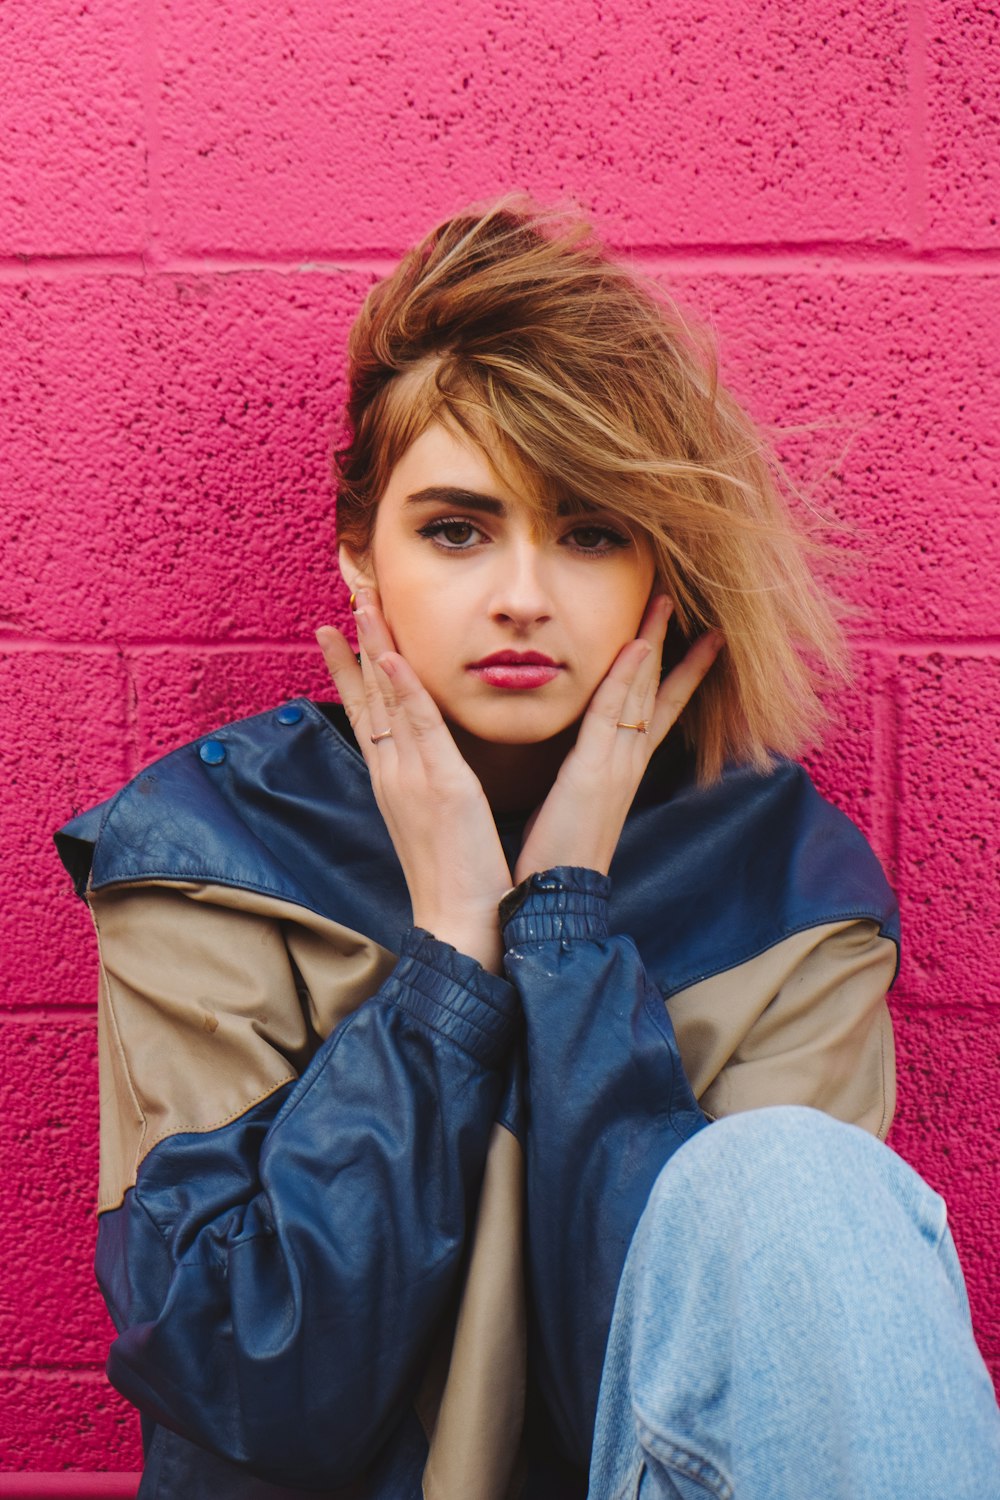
389 1087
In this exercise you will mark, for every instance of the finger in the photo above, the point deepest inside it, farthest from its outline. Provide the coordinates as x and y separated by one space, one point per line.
374 640
656 618
410 711
637 704
372 627
354 681
679 686
628 691
421 728
343 667
608 703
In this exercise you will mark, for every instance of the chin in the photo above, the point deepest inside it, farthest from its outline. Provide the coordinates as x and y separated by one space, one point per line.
512 728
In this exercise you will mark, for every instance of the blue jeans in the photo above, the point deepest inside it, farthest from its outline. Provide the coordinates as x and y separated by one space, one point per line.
792 1324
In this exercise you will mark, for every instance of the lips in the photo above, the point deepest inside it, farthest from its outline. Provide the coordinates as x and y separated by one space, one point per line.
516 671
515 659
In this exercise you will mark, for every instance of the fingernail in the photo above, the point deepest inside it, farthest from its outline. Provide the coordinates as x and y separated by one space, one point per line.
362 599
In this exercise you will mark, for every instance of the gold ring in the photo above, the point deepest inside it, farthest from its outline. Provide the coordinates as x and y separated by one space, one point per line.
386 734
642 726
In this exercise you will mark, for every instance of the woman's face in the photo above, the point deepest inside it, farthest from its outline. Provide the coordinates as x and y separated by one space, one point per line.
462 580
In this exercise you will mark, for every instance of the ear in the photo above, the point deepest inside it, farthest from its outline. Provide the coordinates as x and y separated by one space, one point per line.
355 571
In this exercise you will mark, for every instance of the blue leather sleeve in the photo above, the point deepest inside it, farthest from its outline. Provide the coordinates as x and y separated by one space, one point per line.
607 1104
276 1282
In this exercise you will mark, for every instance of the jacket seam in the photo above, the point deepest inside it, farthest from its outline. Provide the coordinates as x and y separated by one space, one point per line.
850 916
119 1047
825 921
236 1114
656 1009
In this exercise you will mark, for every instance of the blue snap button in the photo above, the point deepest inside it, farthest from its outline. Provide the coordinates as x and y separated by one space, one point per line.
290 714
546 883
212 752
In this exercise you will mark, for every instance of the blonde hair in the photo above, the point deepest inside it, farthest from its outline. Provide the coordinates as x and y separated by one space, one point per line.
580 381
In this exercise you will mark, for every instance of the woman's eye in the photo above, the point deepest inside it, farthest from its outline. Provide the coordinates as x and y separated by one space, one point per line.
453 536
597 538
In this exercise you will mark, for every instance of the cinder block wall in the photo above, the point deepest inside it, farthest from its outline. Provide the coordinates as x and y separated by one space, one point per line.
194 197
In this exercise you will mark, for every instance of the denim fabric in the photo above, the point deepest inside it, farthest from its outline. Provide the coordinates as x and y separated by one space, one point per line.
792 1324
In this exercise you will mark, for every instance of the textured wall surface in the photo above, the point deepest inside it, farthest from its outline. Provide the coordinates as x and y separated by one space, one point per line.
194 197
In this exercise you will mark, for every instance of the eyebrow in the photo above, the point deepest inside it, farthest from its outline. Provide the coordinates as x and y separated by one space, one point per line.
454 495
472 500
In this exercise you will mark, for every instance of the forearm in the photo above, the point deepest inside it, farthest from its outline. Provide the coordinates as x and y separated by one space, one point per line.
304 1253
608 1104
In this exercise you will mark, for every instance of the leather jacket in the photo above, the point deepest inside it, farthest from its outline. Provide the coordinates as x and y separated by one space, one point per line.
364 1206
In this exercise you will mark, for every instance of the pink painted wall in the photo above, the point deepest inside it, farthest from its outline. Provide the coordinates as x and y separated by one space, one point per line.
194 195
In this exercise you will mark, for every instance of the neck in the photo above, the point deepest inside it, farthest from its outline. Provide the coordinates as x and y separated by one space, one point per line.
515 778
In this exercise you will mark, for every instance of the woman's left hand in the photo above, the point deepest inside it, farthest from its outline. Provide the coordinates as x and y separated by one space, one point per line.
581 819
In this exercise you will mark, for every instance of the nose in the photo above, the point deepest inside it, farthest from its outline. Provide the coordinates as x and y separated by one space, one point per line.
520 587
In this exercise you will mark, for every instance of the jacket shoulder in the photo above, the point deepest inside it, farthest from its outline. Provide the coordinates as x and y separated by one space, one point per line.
716 875
262 804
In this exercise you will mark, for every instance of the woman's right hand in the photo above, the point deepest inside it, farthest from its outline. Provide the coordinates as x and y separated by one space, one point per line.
433 804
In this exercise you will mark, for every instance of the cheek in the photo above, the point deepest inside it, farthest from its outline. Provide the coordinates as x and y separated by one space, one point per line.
420 622
615 607
399 591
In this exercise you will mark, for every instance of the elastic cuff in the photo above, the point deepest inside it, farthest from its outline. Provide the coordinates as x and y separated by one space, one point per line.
567 901
455 995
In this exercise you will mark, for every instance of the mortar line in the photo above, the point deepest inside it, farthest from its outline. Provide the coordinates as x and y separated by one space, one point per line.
19 268
970 645
45 1010
28 645
131 715
896 725
82 1484
761 259
950 645
153 136
916 72
886 762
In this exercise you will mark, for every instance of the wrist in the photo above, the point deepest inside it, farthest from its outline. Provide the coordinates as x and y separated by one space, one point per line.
479 940
573 860
562 902
451 991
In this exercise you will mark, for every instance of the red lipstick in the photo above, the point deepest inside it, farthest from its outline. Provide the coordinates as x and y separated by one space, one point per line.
516 670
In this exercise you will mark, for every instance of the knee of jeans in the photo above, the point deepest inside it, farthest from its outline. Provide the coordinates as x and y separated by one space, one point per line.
784 1136
783 1160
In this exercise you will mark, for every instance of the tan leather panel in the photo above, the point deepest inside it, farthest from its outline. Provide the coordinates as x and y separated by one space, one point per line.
806 1022
200 1014
475 1438
122 1119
